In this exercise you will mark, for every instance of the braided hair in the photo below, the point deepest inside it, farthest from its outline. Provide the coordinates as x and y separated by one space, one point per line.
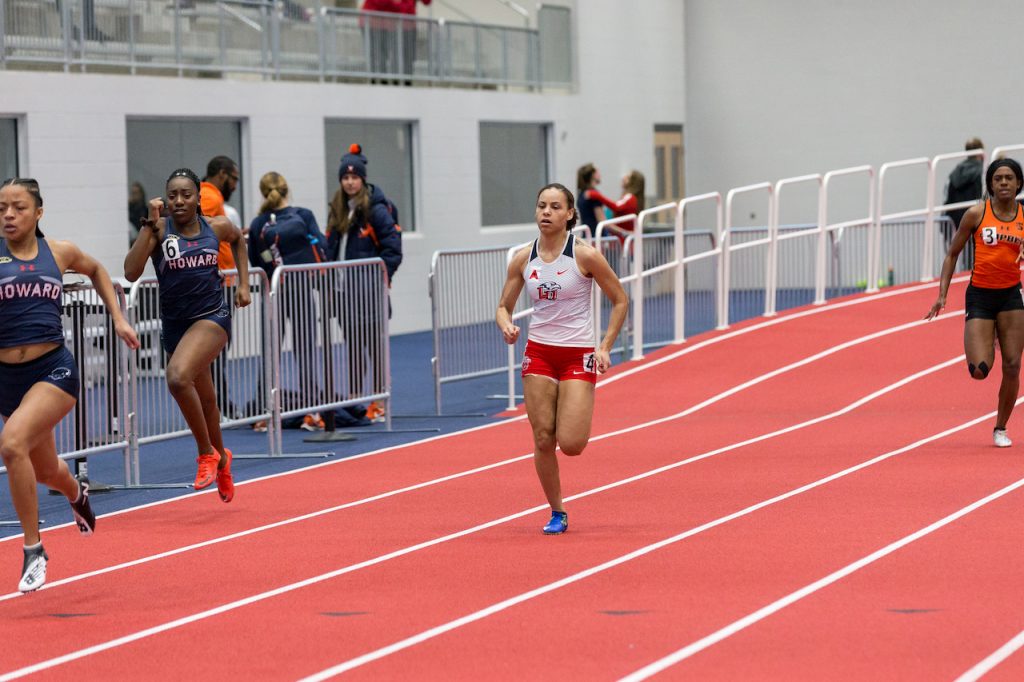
32 187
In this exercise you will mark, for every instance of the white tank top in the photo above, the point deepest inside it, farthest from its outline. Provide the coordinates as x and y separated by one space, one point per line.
562 307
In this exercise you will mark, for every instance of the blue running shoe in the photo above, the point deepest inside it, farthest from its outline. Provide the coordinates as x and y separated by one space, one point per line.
559 523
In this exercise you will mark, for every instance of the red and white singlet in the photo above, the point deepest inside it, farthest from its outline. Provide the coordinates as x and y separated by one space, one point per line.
563 312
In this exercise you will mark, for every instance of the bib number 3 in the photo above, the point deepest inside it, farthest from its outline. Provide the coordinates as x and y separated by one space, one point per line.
989 236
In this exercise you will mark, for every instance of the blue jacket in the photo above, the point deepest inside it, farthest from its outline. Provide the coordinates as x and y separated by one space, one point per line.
293 238
378 236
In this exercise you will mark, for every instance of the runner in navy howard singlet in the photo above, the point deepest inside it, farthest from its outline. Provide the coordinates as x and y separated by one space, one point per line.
38 374
31 292
561 362
191 286
195 322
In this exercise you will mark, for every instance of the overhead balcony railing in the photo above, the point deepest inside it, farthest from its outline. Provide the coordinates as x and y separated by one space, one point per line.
281 39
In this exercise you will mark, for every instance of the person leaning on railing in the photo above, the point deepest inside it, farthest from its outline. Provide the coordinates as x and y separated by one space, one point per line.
37 372
993 299
367 221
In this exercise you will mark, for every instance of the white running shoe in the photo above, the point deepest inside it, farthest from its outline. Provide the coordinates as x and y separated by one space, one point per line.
1000 438
33 570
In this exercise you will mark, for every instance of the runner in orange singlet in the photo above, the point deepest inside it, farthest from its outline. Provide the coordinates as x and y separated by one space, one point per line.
993 301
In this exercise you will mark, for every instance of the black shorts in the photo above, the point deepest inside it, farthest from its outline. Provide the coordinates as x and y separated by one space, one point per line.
986 304
172 331
55 367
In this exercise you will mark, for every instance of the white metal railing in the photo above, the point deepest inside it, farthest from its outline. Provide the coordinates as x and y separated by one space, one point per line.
729 248
684 260
834 231
845 255
265 37
774 237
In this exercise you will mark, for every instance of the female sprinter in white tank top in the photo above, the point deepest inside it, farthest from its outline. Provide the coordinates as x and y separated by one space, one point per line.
561 362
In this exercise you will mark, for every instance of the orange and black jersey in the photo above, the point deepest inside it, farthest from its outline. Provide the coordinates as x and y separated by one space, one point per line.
997 245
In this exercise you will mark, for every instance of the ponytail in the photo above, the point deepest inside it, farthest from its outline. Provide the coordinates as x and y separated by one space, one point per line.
274 189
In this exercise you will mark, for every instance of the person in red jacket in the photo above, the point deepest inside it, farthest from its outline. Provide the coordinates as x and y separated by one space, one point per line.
384 34
632 200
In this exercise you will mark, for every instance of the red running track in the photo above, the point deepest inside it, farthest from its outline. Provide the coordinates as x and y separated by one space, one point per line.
709 492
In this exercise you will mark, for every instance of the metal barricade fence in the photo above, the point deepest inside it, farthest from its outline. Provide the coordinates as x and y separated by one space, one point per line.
329 339
100 421
614 251
463 285
848 262
901 245
237 373
659 292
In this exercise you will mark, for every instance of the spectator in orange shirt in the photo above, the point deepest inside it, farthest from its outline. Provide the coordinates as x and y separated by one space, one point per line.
217 187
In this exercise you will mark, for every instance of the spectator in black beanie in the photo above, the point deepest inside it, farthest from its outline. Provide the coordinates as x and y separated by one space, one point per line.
366 221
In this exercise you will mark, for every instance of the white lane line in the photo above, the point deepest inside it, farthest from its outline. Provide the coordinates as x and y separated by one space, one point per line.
374 498
164 627
518 599
828 307
993 659
793 597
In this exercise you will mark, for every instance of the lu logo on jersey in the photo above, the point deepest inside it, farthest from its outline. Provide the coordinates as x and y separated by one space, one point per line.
548 291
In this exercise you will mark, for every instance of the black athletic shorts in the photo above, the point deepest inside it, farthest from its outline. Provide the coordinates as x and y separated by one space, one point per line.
172 331
986 304
55 367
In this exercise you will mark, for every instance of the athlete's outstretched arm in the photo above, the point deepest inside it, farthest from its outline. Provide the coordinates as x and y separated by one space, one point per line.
226 232
510 294
70 257
595 264
150 233
968 224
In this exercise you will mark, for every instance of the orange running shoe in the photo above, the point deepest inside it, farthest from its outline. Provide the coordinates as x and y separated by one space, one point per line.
312 422
226 484
375 412
207 470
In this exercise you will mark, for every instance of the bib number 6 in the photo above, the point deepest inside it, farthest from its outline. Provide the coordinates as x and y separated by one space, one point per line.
171 250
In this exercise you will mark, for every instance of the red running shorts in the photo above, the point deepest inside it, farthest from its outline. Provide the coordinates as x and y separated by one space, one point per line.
560 363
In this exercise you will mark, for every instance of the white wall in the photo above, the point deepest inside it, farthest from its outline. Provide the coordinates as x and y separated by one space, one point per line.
74 127
783 88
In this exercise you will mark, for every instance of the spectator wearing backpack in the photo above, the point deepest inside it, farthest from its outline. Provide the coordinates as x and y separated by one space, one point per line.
283 234
366 222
